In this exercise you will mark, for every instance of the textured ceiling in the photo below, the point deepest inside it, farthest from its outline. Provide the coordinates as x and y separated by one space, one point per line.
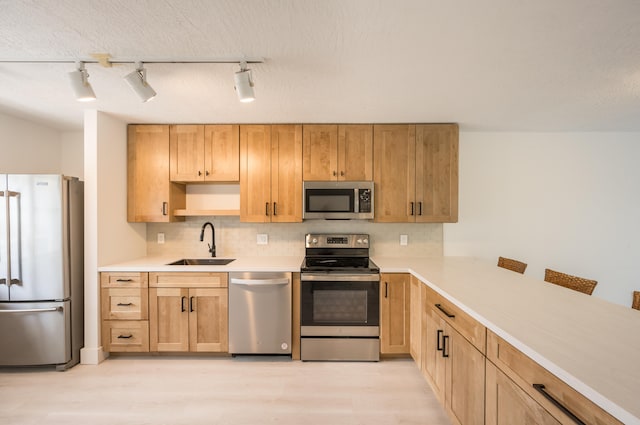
497 65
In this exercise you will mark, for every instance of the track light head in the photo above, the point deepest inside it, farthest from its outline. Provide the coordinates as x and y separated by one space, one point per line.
138 82
244 84
80 84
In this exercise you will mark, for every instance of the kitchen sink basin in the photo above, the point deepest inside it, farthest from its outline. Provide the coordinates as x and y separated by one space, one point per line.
202 262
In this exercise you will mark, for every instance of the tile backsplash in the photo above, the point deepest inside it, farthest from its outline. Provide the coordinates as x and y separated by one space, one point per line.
235 239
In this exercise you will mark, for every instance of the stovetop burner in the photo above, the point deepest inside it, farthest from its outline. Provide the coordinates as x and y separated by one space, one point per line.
340 253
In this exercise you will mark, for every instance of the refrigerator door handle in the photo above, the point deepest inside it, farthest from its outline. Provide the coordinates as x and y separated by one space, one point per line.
5 195
10 271
32 310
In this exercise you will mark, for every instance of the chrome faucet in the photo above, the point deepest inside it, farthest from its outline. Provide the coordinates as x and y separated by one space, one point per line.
212 245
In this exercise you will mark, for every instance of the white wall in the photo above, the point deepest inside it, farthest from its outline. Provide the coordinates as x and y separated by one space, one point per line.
566 201
27 147
108 236
72 154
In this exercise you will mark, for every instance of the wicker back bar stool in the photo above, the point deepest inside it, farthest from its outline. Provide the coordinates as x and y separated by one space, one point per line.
513 265
636 300
580 284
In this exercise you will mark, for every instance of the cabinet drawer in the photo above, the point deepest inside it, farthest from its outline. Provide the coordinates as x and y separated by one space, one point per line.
125 336
188 280
124 280
125 304
467 326
525 372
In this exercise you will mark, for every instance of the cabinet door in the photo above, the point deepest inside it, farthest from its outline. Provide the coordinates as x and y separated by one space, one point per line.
394 173
320 149
507 403
221 153
286 173
255 173
415 321
187 153
465 368
433 360
355 152
168 319
208 319
394 313
151 197
437 173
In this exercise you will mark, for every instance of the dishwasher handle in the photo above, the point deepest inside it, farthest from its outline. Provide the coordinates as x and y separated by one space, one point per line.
260 282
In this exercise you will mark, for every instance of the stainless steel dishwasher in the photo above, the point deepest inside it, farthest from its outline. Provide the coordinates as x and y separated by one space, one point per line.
259 313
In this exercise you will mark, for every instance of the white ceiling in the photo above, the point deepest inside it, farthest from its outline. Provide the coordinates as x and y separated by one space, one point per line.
496 65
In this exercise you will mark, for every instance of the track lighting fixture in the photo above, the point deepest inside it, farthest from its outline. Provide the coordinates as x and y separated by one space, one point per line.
137 79
138 82
80 84
244 84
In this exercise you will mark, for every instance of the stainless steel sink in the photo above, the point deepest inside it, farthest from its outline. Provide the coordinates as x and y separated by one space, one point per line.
202 262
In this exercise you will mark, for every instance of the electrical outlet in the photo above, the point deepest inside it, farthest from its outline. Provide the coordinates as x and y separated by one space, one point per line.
160 237
404 240
263 239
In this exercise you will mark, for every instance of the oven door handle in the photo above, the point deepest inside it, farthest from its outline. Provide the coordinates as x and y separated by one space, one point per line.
260 282
335 277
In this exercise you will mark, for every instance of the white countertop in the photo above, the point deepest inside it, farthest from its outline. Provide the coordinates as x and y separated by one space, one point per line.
242 264
591 344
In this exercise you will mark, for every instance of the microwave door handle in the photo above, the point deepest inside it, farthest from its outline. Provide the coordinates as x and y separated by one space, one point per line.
356 200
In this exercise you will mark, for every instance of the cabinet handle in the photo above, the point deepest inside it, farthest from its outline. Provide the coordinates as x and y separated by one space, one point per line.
199 173
334 173
541 389
420 208
438 339
124 280
124 304
412 207
191 304
341 173
445 338
275 210
446 313
165 207
386 290
125 336
182 300
266 208
206 173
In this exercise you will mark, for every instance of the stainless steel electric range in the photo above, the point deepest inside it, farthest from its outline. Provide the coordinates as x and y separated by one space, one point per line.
340 299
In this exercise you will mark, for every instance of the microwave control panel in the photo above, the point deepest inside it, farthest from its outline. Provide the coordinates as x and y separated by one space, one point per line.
364 200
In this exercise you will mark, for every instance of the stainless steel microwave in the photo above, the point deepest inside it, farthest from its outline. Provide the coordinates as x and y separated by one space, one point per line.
338 200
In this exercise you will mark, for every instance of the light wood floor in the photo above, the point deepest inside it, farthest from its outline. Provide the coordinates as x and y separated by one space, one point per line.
244 390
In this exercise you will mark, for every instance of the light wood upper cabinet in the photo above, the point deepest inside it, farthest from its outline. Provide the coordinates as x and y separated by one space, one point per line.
151 197
271 173
205 153
394 313
338 152
416 173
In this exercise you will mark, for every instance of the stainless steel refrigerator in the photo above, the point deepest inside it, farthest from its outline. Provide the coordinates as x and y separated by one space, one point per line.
41 270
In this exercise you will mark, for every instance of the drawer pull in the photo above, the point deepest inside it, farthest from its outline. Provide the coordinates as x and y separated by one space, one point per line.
445 338
125 336
541 389
191 304
182 300
446 313
439 346
124 280
125 304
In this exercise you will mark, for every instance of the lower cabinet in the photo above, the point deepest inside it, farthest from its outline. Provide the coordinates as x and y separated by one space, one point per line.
394 313
454 368
507 403
124 308
188 312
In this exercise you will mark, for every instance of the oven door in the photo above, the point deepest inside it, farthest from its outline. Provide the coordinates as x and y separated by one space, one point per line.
340 305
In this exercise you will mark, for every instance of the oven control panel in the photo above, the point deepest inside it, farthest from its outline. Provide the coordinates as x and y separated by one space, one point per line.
316 240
